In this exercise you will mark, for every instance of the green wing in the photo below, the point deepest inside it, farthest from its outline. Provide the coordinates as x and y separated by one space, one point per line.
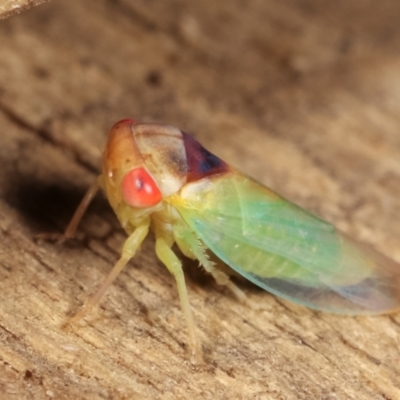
285 250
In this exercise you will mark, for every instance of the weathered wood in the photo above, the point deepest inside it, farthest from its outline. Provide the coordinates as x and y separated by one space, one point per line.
302 95
11 7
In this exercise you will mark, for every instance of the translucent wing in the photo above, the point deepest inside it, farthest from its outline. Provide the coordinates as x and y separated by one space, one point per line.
285 250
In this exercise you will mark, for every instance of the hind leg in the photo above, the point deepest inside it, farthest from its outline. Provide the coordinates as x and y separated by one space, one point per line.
192 247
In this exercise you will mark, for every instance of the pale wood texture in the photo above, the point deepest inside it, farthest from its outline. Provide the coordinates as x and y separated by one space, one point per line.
303 95
11 7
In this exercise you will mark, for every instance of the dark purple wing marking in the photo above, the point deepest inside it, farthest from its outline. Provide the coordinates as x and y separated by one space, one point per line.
200 162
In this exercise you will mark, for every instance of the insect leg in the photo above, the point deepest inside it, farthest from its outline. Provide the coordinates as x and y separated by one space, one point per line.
128 251
76 218
174 265
192 247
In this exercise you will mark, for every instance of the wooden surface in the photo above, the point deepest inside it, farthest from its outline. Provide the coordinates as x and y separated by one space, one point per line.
11 7
303 95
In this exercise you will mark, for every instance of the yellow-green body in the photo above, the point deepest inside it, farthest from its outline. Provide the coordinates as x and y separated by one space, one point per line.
190 197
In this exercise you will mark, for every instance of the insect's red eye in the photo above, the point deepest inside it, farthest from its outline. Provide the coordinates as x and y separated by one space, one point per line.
139 189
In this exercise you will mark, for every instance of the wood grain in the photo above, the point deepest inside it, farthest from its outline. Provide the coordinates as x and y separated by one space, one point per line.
304 96
12 7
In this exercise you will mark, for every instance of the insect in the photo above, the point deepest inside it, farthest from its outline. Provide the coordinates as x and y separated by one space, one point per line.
156 177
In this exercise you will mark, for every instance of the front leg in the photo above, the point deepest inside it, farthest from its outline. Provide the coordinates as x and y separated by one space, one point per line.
76 218
128 251
174 265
